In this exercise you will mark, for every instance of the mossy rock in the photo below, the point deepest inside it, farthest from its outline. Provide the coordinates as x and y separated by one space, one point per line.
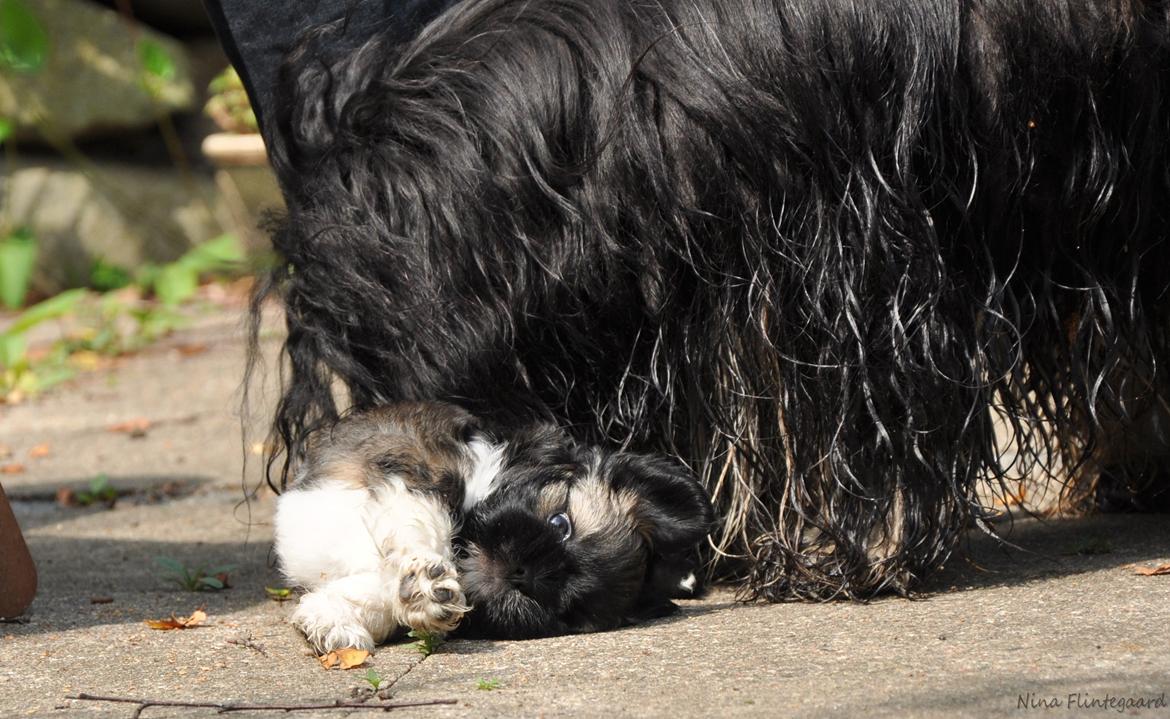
102 74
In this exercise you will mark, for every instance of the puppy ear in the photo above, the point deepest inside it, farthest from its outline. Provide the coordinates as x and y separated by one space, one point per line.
672 509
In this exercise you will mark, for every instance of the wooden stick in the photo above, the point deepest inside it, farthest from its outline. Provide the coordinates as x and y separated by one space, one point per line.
224 708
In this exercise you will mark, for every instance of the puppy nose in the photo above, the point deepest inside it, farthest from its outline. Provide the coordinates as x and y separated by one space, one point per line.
520 578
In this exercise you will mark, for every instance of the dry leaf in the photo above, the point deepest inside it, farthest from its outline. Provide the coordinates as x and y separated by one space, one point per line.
13 468
136 427
191 349
1152 571
86 360
329 660
351 658
347 658
66 497
197 617
39 451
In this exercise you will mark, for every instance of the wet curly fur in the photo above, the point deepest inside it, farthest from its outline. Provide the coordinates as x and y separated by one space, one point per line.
833 254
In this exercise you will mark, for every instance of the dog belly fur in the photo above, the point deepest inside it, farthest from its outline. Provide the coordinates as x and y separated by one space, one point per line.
353 549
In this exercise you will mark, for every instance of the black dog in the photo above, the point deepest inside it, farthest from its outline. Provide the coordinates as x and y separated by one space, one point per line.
812 248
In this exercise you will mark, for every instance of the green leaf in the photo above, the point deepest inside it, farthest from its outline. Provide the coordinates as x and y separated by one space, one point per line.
373 678
49 309
427 642
157 63
222 253
212 582
24 45
46 377
488 685
5 129
175 283
280 594
104 276
171 565
146 274
12 350
18 258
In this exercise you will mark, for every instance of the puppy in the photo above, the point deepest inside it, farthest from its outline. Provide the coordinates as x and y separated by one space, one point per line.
555 539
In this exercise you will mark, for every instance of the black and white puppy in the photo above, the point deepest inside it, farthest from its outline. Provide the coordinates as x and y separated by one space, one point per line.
409 516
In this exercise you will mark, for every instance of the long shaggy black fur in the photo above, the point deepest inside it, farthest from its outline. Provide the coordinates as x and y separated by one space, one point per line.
814 248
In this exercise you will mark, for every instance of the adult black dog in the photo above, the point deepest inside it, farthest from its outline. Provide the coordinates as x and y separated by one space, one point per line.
813 248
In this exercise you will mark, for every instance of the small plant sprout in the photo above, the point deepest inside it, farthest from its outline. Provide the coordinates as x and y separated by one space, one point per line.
278 594
194 580
99 491
427 642
375 680
488 685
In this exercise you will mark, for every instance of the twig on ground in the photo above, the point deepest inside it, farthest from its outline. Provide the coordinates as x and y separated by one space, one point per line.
385 686
248 643
226 707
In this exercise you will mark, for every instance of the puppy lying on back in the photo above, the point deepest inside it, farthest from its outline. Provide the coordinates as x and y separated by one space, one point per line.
410 516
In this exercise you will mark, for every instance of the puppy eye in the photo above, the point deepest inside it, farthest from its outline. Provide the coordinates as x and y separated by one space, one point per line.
561 523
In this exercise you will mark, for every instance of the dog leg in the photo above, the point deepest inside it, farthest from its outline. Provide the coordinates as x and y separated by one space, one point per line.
354 611
375 561
429 596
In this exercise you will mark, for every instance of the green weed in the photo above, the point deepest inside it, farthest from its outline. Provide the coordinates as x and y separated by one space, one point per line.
98 492
194 579
427 642
375 680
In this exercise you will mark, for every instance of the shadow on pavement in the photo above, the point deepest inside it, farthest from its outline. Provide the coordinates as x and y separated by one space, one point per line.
37 506
1030 550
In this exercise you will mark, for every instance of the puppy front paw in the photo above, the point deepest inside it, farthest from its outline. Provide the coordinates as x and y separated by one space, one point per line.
432 600
330 622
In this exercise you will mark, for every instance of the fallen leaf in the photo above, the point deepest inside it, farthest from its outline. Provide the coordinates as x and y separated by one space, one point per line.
197 617
347 658
351 658
39 451
66 497
1151 571
329 660
13 468
279 594
136 427
192 349
86 360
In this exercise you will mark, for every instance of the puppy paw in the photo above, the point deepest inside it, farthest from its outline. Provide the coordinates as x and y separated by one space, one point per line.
330 622
432 600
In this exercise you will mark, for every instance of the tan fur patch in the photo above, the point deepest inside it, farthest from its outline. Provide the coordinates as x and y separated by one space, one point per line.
420 444
554 498
596 509
349 474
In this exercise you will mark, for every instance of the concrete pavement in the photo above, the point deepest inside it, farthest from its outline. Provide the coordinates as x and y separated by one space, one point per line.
1007 633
